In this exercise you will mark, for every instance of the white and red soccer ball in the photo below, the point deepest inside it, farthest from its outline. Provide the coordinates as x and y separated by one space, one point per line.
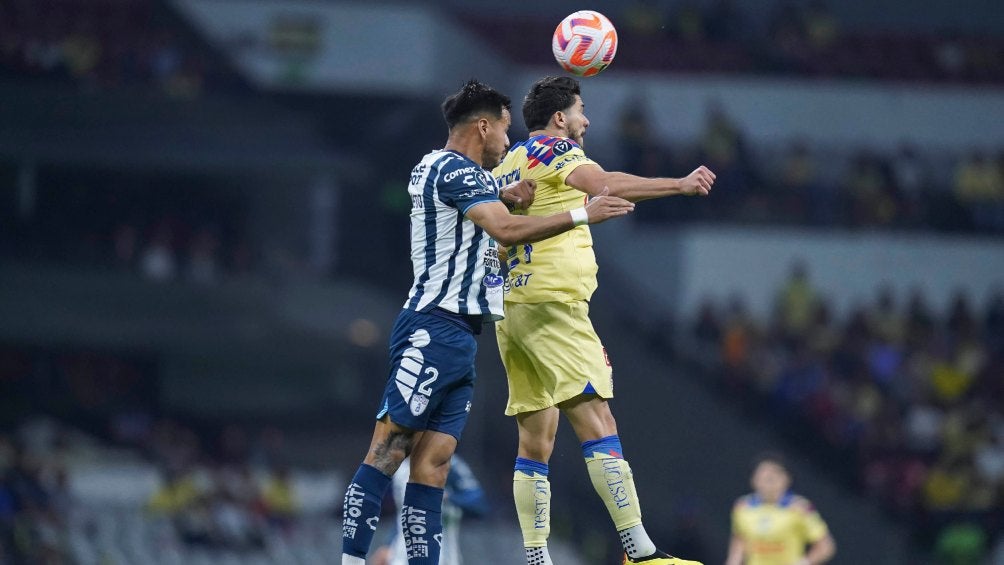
584 43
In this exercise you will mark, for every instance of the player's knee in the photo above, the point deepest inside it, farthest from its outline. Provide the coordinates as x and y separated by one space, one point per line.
430 472
536 448
388 453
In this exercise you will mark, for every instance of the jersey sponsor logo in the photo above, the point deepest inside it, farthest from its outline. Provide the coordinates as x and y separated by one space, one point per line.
615 482
414 380
504 180
569 160
456 173
541 504
352 510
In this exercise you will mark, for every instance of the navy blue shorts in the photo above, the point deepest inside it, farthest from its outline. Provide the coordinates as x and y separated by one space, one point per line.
431 380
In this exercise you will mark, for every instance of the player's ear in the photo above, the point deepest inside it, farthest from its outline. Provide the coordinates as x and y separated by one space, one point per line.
559 119
483 126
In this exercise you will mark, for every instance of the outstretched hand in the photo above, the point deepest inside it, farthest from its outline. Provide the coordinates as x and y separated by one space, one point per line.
603 207
519 195
698 183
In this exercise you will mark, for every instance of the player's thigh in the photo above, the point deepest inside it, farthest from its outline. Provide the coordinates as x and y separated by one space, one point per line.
431 370
590 417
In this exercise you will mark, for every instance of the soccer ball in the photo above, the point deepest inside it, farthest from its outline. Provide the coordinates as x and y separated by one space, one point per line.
584 43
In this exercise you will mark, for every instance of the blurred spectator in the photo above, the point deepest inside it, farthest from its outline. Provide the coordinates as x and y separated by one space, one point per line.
644 18
158 260
961 544
279 497
917 399
979 186
821 27
870 195
689 23
723 150
909 176
796 303
798 181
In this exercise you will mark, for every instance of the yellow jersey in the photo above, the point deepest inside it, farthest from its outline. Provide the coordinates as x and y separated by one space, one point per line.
776 534
561 268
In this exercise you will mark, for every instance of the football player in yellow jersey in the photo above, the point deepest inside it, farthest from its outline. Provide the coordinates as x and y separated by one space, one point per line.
554 360
773 526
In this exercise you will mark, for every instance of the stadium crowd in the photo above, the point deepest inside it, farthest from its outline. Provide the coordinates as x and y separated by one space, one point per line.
162 228
795 183
105 44
794 39
214 501
910 402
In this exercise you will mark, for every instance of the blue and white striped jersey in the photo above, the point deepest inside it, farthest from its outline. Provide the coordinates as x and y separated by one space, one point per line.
456 264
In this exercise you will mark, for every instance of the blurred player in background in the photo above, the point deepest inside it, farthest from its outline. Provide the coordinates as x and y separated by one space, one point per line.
457 216
463 497
553 357
774 526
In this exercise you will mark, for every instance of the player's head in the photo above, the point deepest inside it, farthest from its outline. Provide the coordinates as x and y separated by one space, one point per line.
556 101
771 478
481 111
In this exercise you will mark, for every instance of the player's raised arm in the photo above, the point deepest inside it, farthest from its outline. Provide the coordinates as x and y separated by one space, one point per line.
508 229
591 179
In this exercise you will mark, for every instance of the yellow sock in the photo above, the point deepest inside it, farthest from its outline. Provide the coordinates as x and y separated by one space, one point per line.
612 479
532 493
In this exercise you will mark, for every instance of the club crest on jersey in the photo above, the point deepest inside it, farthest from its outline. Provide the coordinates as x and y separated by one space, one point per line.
413 379
493 281
562 146
418 404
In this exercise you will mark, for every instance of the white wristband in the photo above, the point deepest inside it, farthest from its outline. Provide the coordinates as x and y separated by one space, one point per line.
579 216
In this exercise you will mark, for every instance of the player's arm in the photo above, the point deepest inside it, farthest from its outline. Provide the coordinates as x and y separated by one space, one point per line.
591 179
508 229
820 552
822 548
737 549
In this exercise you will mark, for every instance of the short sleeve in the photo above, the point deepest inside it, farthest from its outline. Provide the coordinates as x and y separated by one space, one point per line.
462 185
813 526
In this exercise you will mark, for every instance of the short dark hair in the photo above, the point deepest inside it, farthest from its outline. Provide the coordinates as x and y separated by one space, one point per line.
771 457
472 99
547 96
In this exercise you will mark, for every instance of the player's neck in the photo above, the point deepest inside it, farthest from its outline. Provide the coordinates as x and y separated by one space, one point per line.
769 499
466 145
550 132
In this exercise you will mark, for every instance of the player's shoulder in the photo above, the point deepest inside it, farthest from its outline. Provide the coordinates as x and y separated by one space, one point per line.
798 503
744 501
559 145
447 161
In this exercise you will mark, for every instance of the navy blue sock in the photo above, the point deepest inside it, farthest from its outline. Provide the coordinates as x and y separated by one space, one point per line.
422 523
361 510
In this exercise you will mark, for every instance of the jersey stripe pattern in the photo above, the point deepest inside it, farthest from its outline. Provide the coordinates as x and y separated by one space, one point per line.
455 263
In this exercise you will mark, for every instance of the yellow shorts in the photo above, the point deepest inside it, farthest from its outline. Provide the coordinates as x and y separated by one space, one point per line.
551 353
